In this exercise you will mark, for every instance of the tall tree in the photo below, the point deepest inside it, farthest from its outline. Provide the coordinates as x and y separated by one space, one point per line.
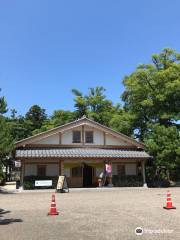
36 115
164 144
152 97
61 117
94 105
3 105
152 92
80 103
6 141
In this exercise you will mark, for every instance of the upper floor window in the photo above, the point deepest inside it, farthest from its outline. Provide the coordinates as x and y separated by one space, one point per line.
89 137
76 136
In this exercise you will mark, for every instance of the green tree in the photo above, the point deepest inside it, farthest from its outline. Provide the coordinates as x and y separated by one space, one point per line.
6 141
100 109
152 92
36 116
80 103
152 97
20 127
3 105
94 105
61 117
122 121
163 144
58 118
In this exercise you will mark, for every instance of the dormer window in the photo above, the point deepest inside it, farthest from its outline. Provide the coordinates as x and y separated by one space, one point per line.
76 136
89 136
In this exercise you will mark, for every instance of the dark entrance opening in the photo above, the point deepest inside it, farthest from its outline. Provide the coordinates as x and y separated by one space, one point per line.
87 176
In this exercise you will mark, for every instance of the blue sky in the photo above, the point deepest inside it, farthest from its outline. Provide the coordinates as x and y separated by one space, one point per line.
49 47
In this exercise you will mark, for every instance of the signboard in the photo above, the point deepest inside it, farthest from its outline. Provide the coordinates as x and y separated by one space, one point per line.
17 164
42 183
62 184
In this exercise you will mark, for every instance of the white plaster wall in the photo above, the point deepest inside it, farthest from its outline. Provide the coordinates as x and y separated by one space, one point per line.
52 170
54 139
66 137
130 169
110 140
30 169
97 135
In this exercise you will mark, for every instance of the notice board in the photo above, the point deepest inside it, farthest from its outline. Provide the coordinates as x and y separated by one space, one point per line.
62 185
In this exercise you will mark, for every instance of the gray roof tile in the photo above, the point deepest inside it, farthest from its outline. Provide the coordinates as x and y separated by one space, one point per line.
81 152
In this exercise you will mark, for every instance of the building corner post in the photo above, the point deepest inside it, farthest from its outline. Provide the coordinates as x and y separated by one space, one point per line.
143 173
22 175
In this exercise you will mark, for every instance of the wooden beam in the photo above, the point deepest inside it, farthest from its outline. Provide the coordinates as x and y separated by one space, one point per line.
22 172
82 134
75 145
104 138
60 137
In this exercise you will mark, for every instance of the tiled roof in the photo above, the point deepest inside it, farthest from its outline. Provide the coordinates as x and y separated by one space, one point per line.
81 152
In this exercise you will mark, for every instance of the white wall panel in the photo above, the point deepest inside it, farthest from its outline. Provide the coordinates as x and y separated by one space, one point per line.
54 139
66 137
110 140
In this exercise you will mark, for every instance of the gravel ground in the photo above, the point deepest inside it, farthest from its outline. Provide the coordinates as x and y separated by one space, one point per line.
111 214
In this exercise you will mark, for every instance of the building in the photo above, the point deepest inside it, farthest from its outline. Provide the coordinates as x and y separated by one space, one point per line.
79 150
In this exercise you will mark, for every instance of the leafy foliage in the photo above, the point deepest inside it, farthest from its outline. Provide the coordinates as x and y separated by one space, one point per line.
3 105
152 97
36 115
164 144
152 92
6 144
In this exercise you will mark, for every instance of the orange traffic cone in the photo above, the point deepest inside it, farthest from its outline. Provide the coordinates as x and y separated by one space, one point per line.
169 201
52 210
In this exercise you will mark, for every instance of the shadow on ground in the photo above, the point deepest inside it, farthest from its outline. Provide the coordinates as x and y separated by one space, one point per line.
5 221
5 192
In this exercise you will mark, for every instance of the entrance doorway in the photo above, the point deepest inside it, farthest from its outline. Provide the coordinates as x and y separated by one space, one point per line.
87 176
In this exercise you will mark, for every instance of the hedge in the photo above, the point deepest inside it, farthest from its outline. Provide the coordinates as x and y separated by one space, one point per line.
127 181
29 182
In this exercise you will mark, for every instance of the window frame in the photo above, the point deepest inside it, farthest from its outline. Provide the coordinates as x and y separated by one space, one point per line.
73 136
86 136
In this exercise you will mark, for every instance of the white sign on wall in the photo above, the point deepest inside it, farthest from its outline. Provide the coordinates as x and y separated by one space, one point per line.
41 183
17 164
